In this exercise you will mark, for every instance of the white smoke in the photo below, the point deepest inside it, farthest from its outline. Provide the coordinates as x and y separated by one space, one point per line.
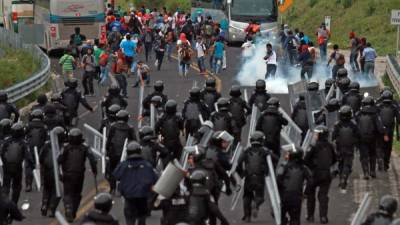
254 68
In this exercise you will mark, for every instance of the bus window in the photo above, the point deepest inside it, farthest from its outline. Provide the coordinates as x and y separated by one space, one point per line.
260 10
43 3
208 4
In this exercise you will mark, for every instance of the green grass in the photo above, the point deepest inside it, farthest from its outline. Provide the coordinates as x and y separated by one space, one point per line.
15 66
171 5
368 18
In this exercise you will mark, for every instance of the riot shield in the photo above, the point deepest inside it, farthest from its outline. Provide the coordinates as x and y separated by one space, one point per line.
330 93
36 171
205 139
104 152
307 140
153 116
295 89
238 193
186 152
292 130
97 138
273 191
314 102
123 155
1 172
227 137
362 210
246 97
55 150
234 160
141 94
169 179
339 94
253 122
331 118
60 218
201 119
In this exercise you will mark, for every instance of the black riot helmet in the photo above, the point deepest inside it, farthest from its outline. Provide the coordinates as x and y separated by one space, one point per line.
134 150
114 90
198 155
257 138
296 154
170 106
223 104
103 202
5 126
156 100
210 82
146 133
345 113
194 93
122 115
322 131
388 204
56 97
36 114
344 83
216 138
71 83
341 73
328 83
260 85
313 86
42 99
274 102
61 134
17 130
198 177
235 91
354 86
333 105
75 136
3 96
159 86
368 101
113 109
387 96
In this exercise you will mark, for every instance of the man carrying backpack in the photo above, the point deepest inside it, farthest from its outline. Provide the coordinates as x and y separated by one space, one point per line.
89 67
77 39
354 46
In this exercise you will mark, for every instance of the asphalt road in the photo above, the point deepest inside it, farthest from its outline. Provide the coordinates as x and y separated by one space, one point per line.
342 206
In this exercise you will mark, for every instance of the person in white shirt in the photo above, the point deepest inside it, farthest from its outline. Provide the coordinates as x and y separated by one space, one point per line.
201 54
271 62
248 49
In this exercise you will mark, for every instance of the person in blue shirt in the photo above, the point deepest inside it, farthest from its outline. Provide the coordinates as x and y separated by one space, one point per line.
369 55
136 177
129 49
218 55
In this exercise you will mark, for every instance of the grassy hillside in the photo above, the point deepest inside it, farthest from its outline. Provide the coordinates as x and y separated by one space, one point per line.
368 18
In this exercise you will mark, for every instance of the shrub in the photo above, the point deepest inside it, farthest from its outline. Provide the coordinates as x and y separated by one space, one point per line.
172 5
311 3
347 3
370 8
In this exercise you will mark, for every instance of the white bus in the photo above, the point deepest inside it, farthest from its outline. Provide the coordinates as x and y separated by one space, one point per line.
238 13
60 17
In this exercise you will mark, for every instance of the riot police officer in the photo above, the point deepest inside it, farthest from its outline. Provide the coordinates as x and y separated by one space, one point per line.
170 126
260 96
14 152
151 149
346 136
384 216
389 114
51 118
41 102
36 135
299 115
5 129
253 166
328 84
328 115
291 179
158 91
8 210
203 136
111 116
238 108
71 97
49 199
192 108
371 128
353 97
175 208
270 123
319 160
72 160
343 85
119 132
201 205
222 119
209 94
100 215
57 101
113 97
7 109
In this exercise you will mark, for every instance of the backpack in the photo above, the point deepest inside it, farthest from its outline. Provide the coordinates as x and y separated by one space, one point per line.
291 44
4 113
103 59
186 53
208 30
77 40
192 111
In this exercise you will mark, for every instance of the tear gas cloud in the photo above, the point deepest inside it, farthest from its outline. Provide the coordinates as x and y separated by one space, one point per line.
254 68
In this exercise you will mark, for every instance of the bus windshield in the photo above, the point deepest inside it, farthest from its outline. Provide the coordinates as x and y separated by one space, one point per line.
261 10
207 4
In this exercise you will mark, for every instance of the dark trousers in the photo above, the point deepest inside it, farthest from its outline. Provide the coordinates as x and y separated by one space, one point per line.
291 206
306 70
12 182
271 70
253 191
49 198
368 157
322 184
112 164
354 62
147 50
87 82
135 211
345 158
122 83
292 56
159 57
386 152
73 184
335 69
29 167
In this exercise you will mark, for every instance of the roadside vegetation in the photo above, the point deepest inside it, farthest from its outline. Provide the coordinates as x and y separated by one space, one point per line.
171 5
368 18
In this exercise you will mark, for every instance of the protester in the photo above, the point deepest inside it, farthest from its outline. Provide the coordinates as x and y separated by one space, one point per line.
68 64
369 56
323 34
89 67
271 59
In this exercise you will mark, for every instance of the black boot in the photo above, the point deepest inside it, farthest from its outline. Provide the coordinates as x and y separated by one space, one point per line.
43 209
324 219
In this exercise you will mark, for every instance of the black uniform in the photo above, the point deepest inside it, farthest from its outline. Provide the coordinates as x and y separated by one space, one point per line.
223 121
371 128
174 209
384 216
320 159
270 123
147 101
151 150
210 96
98 218
259 98
193 107
346 137
7 110
14 152
112 98
8 210
389 114
72 161
238 109
299 116
53 116
353 99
